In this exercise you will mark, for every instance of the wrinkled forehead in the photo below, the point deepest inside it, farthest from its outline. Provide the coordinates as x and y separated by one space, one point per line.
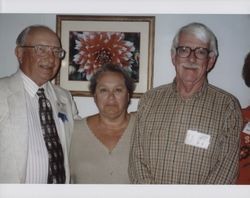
197 33
42 36
192 40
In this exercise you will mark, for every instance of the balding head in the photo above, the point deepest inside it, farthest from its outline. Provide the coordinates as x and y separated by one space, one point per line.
22 37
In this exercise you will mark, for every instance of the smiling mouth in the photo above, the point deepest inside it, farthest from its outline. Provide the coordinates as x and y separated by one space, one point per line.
190 66
45 67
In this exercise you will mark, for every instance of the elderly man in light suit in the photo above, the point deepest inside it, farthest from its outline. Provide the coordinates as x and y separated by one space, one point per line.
23 154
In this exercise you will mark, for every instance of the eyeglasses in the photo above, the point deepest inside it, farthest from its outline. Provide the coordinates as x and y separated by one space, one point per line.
199 52
43 50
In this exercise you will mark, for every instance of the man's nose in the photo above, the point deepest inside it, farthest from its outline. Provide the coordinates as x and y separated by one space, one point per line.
192 56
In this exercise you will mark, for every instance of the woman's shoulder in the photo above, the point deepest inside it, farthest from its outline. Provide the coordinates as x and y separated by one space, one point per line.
91 117
86 119
79 124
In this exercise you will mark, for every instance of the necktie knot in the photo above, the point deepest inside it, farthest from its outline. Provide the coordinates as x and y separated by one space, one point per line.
40 92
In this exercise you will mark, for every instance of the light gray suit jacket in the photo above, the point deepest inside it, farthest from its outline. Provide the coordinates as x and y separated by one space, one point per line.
14 129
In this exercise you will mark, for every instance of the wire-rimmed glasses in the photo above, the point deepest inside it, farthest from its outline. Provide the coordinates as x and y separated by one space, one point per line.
43 50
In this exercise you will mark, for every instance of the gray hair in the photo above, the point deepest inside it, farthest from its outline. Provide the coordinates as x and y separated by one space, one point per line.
199 30
22 37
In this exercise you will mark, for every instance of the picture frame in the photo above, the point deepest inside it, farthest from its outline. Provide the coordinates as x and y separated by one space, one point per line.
91 41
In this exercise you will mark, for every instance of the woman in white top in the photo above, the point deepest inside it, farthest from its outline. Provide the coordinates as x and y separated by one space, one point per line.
100 143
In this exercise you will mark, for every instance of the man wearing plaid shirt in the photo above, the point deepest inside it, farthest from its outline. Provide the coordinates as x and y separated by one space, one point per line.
187 132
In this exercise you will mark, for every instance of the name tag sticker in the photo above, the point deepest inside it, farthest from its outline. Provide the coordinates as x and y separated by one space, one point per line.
247 128
197 139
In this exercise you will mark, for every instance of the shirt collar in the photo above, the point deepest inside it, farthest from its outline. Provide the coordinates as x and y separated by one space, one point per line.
29 85
195 95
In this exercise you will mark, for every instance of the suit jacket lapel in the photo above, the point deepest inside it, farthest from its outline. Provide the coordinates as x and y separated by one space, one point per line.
60 108
64 134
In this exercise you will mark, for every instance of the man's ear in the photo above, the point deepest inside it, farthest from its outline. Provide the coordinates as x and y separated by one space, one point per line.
211 61
173 54
19 54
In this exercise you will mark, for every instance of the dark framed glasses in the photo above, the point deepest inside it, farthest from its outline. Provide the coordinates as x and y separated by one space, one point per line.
199 52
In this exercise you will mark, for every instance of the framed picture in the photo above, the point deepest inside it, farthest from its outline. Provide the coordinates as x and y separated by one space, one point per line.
91 41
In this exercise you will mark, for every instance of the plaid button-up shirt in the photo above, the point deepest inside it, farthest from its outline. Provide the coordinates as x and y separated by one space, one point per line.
158 151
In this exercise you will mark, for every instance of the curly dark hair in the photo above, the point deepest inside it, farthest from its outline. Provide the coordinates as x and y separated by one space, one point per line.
129 82
246 70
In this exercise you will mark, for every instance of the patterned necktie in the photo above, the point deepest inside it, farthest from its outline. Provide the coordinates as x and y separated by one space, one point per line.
56 173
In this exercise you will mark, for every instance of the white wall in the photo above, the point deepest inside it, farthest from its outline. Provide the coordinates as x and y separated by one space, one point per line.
233 38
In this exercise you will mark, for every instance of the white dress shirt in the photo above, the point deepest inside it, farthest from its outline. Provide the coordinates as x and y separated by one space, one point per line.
37 160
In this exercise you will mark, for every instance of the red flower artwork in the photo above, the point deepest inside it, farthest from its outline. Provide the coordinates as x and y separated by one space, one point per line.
93 49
